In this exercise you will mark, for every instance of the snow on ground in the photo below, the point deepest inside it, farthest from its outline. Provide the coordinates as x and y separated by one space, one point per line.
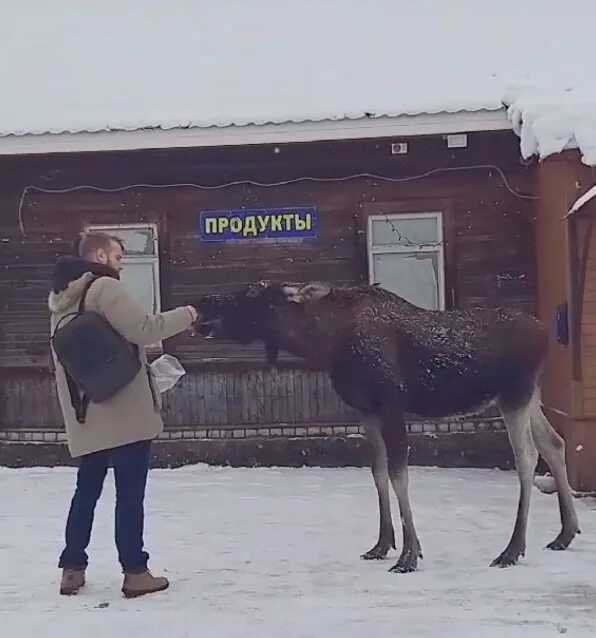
275 552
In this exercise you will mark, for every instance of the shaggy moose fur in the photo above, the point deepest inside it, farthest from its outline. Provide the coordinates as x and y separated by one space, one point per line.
386 357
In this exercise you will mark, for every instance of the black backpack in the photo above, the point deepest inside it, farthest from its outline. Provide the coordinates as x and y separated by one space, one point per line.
97 360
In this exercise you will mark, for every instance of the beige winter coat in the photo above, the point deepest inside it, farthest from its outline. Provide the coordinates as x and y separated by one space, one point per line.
133 414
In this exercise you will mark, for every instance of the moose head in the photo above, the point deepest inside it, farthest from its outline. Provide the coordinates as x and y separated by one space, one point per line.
258 312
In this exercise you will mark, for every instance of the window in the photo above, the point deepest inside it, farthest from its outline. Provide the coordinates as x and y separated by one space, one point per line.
140 273
406 256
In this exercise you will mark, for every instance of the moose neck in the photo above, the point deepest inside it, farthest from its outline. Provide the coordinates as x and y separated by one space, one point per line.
310 333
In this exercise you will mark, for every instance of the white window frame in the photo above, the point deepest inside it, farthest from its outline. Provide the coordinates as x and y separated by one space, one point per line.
437 247
153 260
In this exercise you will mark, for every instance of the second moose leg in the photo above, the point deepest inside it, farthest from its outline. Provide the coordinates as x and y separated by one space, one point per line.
525 454
552 447
373 428
396 442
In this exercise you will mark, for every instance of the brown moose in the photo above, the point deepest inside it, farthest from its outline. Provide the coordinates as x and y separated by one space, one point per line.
386 357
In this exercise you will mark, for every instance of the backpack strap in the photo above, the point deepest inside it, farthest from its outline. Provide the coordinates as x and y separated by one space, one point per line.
83 400
81 308
80 401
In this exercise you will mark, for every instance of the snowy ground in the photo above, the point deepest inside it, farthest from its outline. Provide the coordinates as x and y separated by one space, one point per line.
275 552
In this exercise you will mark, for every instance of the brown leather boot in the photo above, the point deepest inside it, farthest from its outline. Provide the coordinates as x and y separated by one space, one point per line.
144 583
72 580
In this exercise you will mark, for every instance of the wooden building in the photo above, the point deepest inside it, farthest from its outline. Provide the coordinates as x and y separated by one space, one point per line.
459 215
441 206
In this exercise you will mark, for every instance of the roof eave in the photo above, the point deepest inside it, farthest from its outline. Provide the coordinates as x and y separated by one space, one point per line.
397 127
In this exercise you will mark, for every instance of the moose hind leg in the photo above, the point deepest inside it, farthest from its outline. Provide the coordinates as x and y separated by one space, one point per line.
552 447
381 477
395 436
526 458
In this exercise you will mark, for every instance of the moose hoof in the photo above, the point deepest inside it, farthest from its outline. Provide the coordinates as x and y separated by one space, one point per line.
563 540
508 558
376 553
403 569
406 563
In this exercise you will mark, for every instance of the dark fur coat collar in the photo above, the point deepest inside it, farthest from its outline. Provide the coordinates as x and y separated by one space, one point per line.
71 275
69 268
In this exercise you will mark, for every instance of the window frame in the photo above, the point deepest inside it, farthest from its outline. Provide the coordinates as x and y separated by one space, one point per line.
438 247
153 261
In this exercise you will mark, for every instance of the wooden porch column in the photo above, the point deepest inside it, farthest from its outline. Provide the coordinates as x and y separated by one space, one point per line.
567 389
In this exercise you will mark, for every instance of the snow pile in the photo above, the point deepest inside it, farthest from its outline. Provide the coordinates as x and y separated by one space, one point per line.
275 552
546 484
550 121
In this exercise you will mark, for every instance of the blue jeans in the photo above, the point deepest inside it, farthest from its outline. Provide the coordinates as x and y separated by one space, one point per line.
131 465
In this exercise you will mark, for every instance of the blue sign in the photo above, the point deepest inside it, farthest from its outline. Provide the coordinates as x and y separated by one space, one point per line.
258 223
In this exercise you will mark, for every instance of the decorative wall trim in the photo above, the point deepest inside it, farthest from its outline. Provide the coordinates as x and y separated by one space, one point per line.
193 433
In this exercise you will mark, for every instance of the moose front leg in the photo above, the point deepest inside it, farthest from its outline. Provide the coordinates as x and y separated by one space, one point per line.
386 541
526 457
396 442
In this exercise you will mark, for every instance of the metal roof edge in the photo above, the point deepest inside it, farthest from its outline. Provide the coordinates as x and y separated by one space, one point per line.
399 126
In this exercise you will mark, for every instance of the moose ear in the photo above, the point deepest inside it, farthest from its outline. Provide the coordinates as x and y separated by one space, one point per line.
307 292
290 291
256 289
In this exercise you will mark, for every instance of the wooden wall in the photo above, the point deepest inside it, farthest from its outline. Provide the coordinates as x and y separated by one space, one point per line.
582 437
210 399
489 232
588 324
555 185
569 383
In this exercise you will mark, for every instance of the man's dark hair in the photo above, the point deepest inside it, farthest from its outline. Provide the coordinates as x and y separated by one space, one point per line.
90 242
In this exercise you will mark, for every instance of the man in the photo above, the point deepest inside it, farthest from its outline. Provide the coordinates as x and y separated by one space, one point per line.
118 431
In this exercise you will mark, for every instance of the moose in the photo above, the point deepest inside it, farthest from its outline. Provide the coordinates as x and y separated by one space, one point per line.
387 358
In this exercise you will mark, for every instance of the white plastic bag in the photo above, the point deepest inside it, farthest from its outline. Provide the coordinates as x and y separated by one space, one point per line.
167 371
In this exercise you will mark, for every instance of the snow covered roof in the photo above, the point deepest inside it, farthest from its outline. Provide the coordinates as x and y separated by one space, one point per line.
71 66
550 121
